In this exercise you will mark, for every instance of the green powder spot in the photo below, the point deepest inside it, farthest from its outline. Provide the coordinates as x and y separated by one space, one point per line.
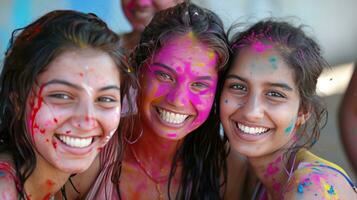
273 61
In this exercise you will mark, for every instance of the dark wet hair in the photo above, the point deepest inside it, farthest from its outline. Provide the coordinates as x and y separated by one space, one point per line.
305 58
202 152
31 50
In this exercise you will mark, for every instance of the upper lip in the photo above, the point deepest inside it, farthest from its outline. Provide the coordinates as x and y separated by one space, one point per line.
77 135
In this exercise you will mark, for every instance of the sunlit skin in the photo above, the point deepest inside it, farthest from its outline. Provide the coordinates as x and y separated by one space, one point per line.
261 113
77 96
181 78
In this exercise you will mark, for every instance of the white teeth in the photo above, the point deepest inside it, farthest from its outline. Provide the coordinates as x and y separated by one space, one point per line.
75 142
172 118
252 130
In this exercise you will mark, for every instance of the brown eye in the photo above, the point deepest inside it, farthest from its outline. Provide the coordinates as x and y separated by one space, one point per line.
238 86
163 76
275 94
60 96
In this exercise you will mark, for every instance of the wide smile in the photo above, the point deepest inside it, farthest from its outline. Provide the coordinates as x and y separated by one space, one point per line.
251 133
75 142
172 118
251 130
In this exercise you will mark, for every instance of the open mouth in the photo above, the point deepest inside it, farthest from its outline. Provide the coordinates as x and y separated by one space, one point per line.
252 130
171 117
75 142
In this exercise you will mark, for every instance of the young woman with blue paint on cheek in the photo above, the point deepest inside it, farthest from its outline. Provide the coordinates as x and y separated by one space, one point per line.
270 113
60 102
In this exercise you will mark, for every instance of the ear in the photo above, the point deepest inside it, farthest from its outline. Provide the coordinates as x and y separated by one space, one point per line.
303 115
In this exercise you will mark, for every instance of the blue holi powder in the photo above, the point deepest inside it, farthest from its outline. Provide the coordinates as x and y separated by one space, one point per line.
273 61
331 191
300 188
2 174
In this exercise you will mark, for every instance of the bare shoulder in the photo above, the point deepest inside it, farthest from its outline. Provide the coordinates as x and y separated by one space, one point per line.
318 182
7 178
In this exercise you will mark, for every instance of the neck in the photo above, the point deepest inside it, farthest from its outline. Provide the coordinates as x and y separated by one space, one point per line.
44 181
155 153
273 171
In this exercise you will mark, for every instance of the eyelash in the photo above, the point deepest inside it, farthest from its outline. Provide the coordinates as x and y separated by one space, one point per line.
61 96
111 100
276 94
163 76
200 85
238 86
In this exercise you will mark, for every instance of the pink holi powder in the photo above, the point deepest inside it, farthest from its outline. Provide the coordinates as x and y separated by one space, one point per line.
172 135
55 120
260 47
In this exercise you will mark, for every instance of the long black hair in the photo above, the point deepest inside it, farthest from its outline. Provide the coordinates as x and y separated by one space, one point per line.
202 153
31 50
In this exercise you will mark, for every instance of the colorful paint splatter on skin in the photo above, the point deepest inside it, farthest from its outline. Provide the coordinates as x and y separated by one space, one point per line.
35 109
261 47
291 127
273 167
172 135
191 87
274 62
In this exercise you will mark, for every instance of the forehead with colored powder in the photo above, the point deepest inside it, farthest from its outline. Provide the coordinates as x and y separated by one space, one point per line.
179 50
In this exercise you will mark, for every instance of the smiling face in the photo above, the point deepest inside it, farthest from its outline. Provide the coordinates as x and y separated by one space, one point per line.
179 85
140 12
74 108
259 103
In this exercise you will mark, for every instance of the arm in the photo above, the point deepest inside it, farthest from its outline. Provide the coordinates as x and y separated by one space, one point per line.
348 120
318 183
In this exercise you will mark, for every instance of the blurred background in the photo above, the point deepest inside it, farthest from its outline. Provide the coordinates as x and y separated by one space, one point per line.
330 22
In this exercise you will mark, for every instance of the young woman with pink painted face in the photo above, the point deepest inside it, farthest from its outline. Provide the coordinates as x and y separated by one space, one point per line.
271 113
174 147
60 102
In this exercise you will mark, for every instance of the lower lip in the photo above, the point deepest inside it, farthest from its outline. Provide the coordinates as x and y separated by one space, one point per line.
250 137
75 150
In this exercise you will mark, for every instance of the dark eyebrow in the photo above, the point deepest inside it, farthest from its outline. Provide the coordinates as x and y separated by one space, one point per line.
110 87
63 82
284 86
164 66
233 76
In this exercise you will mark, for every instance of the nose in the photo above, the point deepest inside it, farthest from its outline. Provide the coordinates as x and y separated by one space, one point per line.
253 109
178 96
84 117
